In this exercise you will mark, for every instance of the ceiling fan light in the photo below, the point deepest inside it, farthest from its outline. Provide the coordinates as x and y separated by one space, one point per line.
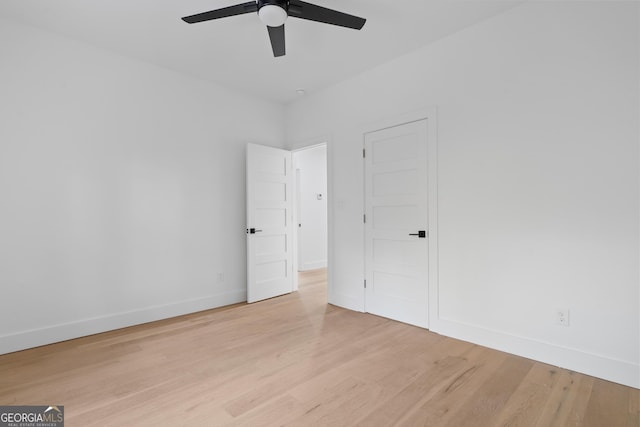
272 15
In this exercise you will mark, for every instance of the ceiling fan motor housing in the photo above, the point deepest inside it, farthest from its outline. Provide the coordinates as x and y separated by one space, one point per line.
282 3
273 13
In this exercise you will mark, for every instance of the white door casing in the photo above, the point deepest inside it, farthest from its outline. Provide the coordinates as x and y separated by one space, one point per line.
298 222
396 211
270 266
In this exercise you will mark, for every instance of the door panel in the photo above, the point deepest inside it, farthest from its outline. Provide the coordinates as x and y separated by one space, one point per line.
396 203
269 213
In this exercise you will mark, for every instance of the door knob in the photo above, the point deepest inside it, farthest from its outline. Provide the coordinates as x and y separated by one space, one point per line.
253 231
421 234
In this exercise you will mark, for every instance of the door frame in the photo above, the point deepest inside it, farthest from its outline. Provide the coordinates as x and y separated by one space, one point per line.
308 144
429 114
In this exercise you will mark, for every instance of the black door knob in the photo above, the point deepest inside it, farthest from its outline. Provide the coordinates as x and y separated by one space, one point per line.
421 234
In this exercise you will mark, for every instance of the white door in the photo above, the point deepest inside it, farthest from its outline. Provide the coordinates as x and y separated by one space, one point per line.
269 222
396 234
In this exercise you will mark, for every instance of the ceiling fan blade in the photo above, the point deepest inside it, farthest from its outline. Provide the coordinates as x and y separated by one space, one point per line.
238 9
304 10
276 34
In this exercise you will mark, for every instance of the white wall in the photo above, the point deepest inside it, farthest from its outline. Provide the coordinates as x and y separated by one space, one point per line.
312 235
538 136
121 189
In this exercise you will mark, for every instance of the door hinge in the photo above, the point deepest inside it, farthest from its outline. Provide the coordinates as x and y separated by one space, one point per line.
364 218
364 153
365 283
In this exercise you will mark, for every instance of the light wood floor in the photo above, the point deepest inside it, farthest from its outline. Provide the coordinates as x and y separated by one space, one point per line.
297 361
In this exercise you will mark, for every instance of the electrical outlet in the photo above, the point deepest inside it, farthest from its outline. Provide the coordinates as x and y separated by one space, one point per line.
220 277
562 316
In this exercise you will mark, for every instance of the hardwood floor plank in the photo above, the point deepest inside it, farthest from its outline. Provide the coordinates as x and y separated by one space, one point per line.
523 407
441 407
485 405
278 412
421 389
560 407
634 408
336 404
608 405
580 402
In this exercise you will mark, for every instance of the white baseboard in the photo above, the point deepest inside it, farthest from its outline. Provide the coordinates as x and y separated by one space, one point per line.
619 371
314 265
346 301
62 332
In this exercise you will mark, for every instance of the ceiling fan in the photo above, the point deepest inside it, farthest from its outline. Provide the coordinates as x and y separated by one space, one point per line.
273 13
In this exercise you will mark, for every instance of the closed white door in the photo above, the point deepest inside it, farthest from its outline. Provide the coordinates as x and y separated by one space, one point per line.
269 222
396 219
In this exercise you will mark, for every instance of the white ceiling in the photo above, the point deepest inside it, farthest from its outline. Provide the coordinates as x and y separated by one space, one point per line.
235 52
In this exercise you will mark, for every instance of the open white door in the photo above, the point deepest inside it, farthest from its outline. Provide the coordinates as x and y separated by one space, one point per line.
269 222
396 234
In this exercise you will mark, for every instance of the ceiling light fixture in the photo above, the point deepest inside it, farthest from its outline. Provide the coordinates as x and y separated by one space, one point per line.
301 92
272 15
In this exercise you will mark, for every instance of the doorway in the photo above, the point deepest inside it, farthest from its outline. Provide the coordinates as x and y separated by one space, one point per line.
287 215
311 212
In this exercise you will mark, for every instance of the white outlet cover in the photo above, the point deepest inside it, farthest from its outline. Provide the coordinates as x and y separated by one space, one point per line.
562 316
